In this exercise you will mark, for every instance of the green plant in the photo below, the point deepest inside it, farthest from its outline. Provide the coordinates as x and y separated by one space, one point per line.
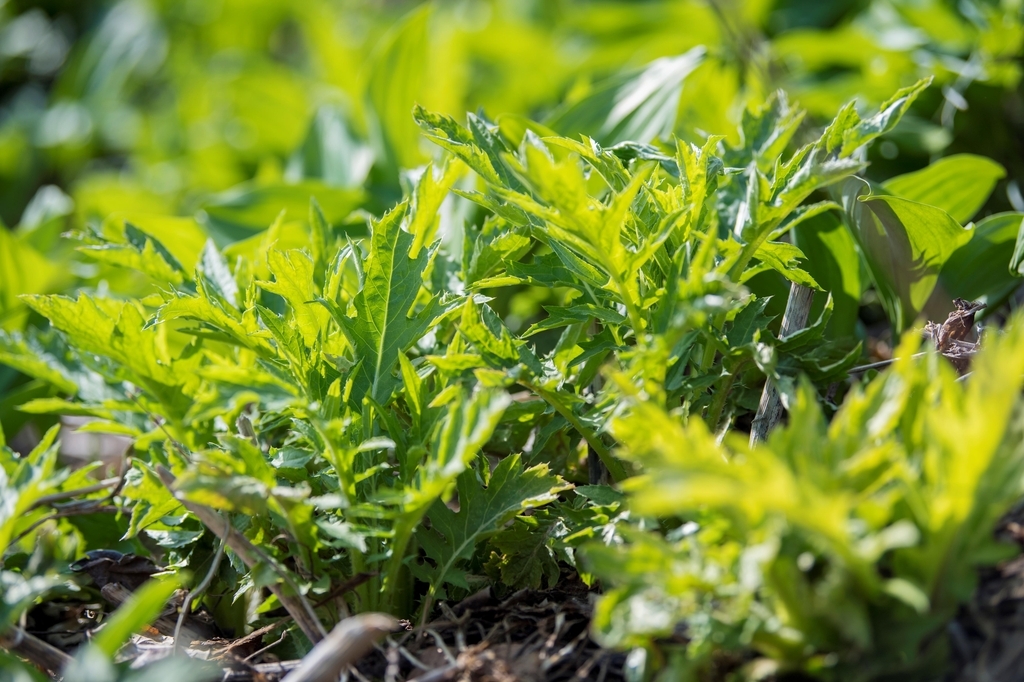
415 383
841 547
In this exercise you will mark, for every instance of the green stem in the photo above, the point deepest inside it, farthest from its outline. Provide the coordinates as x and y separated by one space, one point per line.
615 468
717 406
735 272
404 528
632 312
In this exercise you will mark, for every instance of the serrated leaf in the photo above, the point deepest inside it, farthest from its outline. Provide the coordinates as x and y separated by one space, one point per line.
293 281
430 192
511 490
382 327
747 323
889 114
525 560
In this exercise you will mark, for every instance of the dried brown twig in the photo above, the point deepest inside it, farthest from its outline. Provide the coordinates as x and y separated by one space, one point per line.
296 605
36 651
348 641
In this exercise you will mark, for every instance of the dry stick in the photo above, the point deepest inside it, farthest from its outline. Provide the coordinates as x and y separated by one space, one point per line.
798 307
349 640
296 605
68 494
34 650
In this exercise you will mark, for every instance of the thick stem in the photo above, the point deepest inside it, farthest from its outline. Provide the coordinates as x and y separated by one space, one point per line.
36 651
769 412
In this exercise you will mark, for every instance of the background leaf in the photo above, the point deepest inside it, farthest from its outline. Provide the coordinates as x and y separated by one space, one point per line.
637 107
958 184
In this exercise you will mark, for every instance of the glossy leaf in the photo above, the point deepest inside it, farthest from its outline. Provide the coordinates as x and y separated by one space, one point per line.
958 184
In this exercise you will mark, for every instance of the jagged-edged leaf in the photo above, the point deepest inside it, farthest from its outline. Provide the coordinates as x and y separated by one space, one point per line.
293 281
382 327
524 558
142 253
785 259
446 132
510 490
468 425
492 248
889 114
747 323
562 316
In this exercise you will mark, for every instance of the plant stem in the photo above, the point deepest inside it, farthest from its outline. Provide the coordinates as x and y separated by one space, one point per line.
769 411
615 468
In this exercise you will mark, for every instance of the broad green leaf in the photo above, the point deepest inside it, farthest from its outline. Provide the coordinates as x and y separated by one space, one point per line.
245 210
398 76
109 328
833 261
905 244
637 107
982 269
958 184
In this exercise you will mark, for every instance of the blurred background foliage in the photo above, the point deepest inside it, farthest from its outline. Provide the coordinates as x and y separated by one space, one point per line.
225 112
